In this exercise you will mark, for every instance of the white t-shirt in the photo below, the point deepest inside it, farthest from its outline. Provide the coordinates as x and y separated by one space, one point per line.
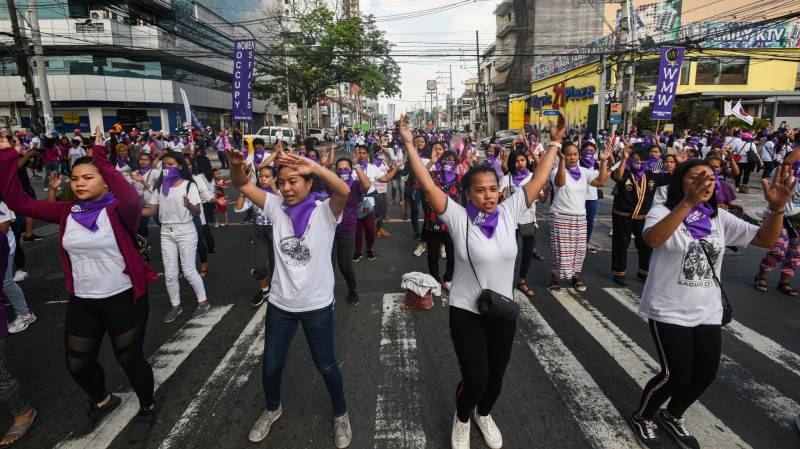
380 187
493 258
570 199
591 191
768 152
507 182
97 264
741 148
681 288
7 214
171 209
151 177
373 173
303 279
75 153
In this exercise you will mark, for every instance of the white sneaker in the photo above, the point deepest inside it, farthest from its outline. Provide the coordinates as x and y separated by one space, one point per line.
421 247
20 276
21 323
459 438
263 424
491 434
342 433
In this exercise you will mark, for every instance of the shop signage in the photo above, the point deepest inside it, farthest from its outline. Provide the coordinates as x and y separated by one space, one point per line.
616 113
668 73
550 113
244 55
561 95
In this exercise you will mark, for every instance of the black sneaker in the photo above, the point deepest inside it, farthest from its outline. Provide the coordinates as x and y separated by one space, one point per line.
356 257
143 423
678 431
646 432
371 255
620 280
352 298
32 238
96 415
259 298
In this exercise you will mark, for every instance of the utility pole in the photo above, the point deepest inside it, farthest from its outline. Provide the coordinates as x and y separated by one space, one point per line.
38 59
23 64
481 97
625 71
601 95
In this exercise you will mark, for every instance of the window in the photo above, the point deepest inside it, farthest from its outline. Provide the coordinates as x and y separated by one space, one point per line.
722 71
788 110
647 72
685 68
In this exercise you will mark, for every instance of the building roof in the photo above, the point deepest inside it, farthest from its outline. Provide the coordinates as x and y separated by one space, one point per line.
504 7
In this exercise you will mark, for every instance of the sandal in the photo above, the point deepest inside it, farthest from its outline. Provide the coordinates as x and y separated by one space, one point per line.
786 288
761 284
17 431
578 285
537 255
554 287
523 287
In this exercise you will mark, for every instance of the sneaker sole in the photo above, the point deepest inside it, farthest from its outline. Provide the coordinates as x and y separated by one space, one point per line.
672 433
483 435
176 317
270 428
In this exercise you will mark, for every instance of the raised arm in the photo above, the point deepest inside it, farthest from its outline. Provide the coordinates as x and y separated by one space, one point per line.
130 205
545 164
339 189
363 180
241 181
777 195
436 198
602 178
619 173
390 174
656 235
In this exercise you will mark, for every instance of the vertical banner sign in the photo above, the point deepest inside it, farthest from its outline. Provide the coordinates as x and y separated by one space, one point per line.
187 110
669 73
390 115
244 55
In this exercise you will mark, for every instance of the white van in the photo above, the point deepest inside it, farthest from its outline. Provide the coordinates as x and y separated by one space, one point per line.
272 134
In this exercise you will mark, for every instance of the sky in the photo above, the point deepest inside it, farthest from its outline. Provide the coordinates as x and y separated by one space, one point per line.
451 32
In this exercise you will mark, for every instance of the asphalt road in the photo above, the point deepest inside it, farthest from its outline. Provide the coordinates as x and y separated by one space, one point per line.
577 369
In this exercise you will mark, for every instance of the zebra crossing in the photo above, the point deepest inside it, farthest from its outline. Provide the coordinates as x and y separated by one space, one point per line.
396 413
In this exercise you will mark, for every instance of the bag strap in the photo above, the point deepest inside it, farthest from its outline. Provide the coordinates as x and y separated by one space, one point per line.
470 258
714 273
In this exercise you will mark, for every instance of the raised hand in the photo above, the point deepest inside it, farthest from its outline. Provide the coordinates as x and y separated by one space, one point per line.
98 136
558 132
302 165
54 180
235 157
4 141
682 155
605 154
700 189
782 188
137 177
405 131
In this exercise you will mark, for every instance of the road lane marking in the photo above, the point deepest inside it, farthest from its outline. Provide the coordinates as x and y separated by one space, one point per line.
165 361
399 406
597 417
231 373
778 407
709 430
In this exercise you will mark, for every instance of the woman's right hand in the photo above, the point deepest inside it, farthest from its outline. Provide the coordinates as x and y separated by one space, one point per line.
235 157
54 180
558 132
700 189
405 131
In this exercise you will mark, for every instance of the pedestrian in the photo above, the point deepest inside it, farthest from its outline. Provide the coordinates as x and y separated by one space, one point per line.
397 156
303 280
387 172
446 178
51 158
144 181
175 201
24 317
519 174
221 144
344 242
205 241
106 278
220 184
482 345
683 298
593 194
365 227
568 215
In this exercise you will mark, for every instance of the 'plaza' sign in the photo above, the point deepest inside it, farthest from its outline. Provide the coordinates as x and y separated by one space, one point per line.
561 95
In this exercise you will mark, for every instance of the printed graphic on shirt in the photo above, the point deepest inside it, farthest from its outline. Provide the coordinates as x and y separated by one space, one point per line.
295 251
695 269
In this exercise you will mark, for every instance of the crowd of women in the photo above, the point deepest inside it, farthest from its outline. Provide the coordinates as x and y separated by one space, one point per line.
311 210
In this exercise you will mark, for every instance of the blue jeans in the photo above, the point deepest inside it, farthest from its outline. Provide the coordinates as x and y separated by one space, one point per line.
319 326
591 211
12 290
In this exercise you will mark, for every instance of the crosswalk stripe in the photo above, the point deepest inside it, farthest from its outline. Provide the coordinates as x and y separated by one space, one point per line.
398 405
603 427
165 362
778 407
709 429
231 373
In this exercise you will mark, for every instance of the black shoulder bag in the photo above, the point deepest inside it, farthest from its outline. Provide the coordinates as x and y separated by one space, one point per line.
491 304
727 308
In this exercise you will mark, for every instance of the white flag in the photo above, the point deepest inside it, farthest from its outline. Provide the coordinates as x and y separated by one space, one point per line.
739 112
187 109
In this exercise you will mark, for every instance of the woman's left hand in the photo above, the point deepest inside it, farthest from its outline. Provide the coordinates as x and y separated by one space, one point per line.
98 136
605 154
780 191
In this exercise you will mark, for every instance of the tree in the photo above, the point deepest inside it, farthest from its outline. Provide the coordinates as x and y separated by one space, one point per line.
316 52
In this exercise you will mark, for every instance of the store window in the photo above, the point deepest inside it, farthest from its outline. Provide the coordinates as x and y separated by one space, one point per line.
647 72
685 68
722 71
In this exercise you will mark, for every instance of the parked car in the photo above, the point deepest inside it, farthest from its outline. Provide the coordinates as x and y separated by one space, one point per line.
317 134
505 137
272 134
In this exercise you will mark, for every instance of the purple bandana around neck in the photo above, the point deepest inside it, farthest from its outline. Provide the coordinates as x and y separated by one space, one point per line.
651 163
519 176
258 157
490 159
575 172
486 222
169 175
346 176
121 163
587 159
144 169
267 189
300 213
86 212
698 221
448 172
637 168
378 160
723 190
364 165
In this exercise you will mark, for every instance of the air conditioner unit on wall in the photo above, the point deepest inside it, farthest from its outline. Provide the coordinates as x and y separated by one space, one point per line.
98 14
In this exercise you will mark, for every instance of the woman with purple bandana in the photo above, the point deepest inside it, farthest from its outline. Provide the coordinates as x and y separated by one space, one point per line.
484 237
105 277
302 284
682 297
588 161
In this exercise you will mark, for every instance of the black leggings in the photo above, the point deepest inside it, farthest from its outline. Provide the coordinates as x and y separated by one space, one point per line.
344 245
483 348
744 173
689 359
434 240
125 321
525 256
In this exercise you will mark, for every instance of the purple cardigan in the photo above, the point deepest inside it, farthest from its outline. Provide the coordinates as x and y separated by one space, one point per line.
127 208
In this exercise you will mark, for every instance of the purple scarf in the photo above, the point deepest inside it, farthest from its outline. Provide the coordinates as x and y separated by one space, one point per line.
651 163
346 176
363 165
86 212
487 222
144 169
314 158
698 221
267 189
378 160
519 176
121 163
587 159
723 190
258 157
448 170
575 172
169 175
300 213
637 168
